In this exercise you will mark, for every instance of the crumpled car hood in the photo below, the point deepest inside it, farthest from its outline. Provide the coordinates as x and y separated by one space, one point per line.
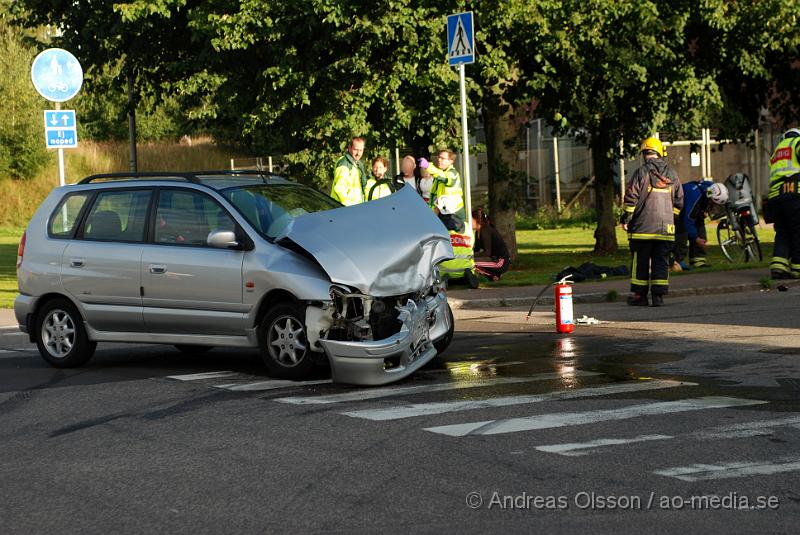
383 248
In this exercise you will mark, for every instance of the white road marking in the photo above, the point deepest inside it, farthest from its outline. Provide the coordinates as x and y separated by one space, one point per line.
549 421
742 430
704 472
574 449
269 385
375 393
201 376
426 409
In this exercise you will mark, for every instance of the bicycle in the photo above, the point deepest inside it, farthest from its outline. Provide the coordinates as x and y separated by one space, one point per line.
736 229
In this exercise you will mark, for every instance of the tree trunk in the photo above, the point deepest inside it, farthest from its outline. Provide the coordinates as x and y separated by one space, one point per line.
602 143
501 133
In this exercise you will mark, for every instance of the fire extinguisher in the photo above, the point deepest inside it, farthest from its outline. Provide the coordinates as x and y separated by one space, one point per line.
565 322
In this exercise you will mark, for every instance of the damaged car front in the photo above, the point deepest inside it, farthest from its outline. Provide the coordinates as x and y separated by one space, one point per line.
385 313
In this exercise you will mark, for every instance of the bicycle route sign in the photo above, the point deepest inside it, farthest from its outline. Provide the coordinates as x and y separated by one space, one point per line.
57 75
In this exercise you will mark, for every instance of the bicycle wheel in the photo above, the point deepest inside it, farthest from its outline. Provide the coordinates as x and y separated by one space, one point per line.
752 243
731 242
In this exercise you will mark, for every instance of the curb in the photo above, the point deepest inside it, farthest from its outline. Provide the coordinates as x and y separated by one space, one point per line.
601 297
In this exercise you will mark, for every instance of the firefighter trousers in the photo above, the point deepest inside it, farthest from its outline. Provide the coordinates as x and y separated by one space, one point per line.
697 255
785 210
650 266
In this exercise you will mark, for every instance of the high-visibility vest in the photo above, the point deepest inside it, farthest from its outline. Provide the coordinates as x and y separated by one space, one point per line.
381 191
783 165
464 256
349 181
447 182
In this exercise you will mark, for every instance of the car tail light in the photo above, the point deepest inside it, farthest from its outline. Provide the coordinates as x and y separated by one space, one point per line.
21 250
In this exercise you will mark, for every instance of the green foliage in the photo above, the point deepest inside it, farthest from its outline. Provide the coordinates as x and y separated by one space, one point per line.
22 150
547 217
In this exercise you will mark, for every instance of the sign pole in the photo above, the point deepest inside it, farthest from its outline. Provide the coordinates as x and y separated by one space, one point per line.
61 179
465 141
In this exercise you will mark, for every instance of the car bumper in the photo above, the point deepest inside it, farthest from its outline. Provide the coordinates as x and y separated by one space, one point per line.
365 363
23 310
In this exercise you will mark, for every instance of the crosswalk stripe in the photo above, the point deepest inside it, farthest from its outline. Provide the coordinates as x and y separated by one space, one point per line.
201 376
740 430
574 449
548 421
269 385
427 409
703 472
375 393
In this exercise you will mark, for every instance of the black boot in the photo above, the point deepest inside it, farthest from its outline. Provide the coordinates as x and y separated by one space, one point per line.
658 300
638 300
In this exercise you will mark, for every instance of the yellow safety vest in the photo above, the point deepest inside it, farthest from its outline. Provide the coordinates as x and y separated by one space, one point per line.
464 256
447 182
783 165
348 181
381 191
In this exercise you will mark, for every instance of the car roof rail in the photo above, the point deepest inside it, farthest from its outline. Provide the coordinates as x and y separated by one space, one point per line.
153 175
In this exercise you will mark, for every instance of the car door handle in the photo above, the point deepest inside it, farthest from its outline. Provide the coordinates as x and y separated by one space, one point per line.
76 262
158 268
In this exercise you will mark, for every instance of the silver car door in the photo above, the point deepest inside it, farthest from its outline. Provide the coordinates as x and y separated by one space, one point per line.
190 287
101 266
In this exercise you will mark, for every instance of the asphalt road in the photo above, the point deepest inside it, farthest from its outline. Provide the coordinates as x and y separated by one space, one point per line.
684 418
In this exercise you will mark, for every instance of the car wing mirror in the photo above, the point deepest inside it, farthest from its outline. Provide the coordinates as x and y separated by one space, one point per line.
222 239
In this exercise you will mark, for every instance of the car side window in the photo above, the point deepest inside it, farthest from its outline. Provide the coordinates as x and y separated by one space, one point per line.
118 215
65 216
185 217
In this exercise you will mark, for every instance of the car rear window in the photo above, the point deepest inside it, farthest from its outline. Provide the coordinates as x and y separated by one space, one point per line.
118 215
271 207
65 216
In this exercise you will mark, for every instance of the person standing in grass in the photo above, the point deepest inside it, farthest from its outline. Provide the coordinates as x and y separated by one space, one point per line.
652 200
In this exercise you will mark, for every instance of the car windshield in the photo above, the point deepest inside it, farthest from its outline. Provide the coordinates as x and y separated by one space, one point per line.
271 207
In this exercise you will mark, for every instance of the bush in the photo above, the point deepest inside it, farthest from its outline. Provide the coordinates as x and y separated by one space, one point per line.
547 217
22 150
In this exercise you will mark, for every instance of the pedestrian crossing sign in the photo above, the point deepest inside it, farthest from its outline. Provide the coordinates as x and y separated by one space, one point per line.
460 39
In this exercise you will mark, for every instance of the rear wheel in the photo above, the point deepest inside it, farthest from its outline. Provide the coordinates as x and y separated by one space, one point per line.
752 243
61 337
283 342
731 242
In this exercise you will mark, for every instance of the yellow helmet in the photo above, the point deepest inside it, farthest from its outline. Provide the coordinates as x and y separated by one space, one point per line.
653 144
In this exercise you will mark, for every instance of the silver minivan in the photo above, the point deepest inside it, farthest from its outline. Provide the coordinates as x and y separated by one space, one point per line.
203 260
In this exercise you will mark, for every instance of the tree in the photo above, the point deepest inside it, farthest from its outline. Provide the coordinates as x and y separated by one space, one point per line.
22 150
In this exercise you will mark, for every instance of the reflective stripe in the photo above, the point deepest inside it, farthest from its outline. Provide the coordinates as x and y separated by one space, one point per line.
779 260
463 256
676 211
699 261
660 282
660 237
629 209
638 282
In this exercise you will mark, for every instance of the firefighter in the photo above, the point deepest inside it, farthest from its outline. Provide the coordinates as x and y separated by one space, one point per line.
783 204
349 177
652 200
698 198
446 181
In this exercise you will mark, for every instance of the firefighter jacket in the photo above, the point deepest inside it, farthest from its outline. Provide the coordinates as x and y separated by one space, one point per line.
349 181
447 182
652 200
784 168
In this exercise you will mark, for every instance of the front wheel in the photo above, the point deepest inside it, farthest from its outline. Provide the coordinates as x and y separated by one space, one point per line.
283 343
731 242
61 337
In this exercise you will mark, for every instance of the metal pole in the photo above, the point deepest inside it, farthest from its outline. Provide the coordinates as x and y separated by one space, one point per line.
621 170
540 166
528 157
708 153
270 164
558 173
134 164
757 169
61 178
397 159
465 153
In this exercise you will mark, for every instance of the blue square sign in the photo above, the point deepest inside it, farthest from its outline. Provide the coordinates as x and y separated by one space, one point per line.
460 39
60 129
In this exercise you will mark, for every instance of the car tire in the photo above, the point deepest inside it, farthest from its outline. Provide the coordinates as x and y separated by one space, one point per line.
283 342
190 349
61 336
442 343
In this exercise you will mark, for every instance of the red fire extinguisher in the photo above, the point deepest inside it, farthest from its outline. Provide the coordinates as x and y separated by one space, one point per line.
565 322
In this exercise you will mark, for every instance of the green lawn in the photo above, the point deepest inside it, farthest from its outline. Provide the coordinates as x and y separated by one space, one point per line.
542 254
